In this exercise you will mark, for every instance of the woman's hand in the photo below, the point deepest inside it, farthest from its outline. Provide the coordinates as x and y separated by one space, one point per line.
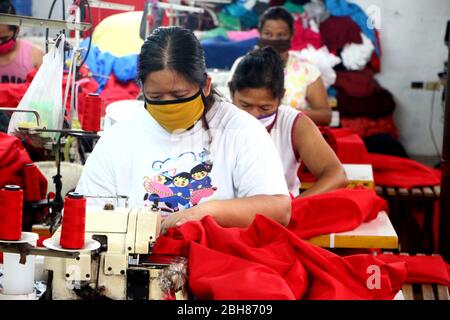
178 218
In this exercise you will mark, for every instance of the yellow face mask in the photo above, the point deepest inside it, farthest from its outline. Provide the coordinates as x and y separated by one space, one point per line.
177 114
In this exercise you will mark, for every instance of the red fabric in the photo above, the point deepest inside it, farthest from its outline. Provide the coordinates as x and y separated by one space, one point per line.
366 127
304 37
267 261
350 147
422 269
378 105
11 94
336 32
392 171
13 157
115 91
356 83
337 211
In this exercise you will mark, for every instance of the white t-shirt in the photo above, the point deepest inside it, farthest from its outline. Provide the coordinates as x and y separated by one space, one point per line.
137 158
282 133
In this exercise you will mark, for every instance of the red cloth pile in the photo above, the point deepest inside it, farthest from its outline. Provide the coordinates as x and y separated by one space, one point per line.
336 32
116 90
391 171
422 269
350 147
267 261
11 94
360 96
366 127
13 157
304 37
337 211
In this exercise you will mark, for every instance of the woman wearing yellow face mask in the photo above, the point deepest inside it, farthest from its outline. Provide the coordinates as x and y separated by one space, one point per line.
187 149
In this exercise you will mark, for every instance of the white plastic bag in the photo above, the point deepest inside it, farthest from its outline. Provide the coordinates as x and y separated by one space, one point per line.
44 94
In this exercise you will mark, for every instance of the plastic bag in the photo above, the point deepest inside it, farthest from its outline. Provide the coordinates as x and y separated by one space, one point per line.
44 94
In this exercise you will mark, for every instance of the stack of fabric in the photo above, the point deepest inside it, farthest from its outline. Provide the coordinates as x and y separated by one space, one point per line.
364 105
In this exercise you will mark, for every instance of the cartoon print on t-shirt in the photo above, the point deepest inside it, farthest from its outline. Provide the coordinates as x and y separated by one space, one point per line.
201 183
186 188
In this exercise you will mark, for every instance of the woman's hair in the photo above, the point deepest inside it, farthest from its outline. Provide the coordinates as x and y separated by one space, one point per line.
277 13
176 49
261 68
7 7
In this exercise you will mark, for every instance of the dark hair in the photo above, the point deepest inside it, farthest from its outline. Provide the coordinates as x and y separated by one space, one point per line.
176 49
261 68
7 7
199 168
184 175
277 13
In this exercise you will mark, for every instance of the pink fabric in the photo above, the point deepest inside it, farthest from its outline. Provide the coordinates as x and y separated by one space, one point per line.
242 35
16 71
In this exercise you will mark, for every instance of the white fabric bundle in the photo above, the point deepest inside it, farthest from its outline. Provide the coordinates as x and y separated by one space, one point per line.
356 56
324 61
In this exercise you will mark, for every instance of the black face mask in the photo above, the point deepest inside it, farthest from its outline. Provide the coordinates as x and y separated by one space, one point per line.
278 45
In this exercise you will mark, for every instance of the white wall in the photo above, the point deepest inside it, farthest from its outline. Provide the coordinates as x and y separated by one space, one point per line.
412 39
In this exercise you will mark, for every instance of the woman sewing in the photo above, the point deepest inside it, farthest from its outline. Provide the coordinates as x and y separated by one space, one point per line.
257 87
154 156
305 90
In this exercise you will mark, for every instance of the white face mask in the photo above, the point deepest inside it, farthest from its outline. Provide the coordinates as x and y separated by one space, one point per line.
267 120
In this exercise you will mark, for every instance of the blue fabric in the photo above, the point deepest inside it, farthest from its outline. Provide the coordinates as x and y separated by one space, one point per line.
221 52
23 7
125 68
343 8
235 10
248 18
332 92
103 64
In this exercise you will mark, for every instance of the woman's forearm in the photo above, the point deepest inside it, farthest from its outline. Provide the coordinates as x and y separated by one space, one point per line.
329 180
241 212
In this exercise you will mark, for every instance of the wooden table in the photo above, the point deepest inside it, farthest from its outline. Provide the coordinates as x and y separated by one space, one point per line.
378 233
357 175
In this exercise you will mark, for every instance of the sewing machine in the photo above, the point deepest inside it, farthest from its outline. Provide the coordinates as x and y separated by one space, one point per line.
123 267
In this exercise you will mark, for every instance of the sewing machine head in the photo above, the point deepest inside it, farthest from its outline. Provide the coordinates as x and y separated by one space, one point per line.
123 267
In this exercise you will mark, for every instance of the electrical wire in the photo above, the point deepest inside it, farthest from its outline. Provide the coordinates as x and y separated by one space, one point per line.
47 29
90 38
64 13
